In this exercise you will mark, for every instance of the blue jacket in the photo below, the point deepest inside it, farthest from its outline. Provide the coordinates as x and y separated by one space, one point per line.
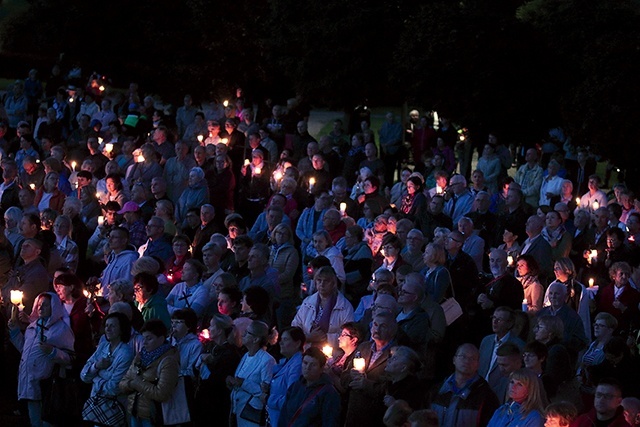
285 373
470 406
322 410
510 415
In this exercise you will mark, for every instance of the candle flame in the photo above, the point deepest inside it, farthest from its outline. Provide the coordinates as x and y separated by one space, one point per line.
327 350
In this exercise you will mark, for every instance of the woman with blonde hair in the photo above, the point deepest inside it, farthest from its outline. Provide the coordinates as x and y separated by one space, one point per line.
526 404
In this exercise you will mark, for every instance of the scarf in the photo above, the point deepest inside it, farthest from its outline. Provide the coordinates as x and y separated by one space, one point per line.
148 357
323 315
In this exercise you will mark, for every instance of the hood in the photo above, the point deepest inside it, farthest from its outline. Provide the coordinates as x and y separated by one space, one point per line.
57 309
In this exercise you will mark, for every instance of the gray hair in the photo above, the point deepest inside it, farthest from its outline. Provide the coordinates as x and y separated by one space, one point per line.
198 171
124 287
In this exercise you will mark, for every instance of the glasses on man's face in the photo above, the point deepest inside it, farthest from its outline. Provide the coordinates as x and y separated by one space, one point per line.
137 289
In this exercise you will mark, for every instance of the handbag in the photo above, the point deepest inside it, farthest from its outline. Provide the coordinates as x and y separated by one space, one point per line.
60 398
255 415
176 410
104 411
451 307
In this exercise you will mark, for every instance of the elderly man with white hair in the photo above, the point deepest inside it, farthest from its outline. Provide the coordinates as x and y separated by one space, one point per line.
538 247
412 252
460 199
473 244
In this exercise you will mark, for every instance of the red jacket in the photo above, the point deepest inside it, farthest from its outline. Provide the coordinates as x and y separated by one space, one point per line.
629 297
589 420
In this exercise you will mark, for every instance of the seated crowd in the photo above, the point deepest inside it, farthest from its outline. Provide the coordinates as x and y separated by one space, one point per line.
222 265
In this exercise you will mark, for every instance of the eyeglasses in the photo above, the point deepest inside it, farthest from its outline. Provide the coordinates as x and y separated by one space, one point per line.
451 238
606 396
600 325
498 319
403 292
344 334
529 355
137 288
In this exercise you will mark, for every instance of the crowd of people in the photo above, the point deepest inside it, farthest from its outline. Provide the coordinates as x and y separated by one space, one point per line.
219 264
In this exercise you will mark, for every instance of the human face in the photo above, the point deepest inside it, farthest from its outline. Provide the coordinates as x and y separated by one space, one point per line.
466 361
326 285
498 264
368 187
613 242
112 330
531 360
141 294
541 333
553 220
255 260
456 185
155 229
51 182
508 236
406 295
225 304
320 243
381 330
180 248
44 307
288 347
557 296
213 329
522 267
110 217
29 251
600 329
346 340
500 323
517 391
150 341
311 369
607 399
561 275
64 292
396 364
281 236
189 273
411 188
111 186
179 328
241 252
621 278
390 252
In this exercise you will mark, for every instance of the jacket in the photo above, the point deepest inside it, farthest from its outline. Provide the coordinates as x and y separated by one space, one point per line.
358 261
322 410
193 196
286 260
589 419
190 349
156 308
342 313
510 415
156 383
285 373
473 405
119 267
106 381
34 364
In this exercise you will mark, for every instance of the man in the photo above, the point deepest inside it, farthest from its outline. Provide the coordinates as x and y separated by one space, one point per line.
502 323
484 221
67 248
340 195
461 199
176 170
207 229
594 198
631 406
33 173
391 135
273 216
473 244
367 388
100 236
80 234
477 182
462 268
606 409
241 247
432 216
31 277
514 216
413 321
158 243
321 178
301 140
333 224
538 247
260 273
529 176
465 398
412 252
159 189
508 360
185 115
579 171
120 259
305 164
9 188
373 162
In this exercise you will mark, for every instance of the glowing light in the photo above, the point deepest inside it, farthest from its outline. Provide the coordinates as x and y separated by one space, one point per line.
101 88
577 200
100 140
277 175
591 282
359 364
225 141
510 260
100 220
246 162
343 208
108 147
73 165
16 297
225 103
140 158
32 186
200 138
312 182
595 205
327 350
257 170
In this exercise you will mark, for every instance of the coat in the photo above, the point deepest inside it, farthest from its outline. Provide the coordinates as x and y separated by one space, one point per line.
34 364
106 381
285 373
255 370
472 406
342 313
156 383
510 415
486 352
286 260
323 410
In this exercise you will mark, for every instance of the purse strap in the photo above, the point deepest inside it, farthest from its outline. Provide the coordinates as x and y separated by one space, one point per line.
305 403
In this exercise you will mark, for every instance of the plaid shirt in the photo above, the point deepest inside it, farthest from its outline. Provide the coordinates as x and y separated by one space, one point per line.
69 253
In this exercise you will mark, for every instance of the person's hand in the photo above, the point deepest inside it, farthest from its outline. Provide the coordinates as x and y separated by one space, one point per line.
46 348
230 382
103 363
388 400
617 304
23 317
361 198
90 308
484 302
357 380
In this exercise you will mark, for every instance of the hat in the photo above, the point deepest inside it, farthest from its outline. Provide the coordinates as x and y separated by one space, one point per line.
129 207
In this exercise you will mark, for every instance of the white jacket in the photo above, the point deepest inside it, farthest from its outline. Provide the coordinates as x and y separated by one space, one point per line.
341 314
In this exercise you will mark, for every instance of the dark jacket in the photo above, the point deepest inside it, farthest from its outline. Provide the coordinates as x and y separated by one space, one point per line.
311 406
473 405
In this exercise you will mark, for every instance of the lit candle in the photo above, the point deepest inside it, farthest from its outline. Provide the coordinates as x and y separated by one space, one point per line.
359 364
312 182
101 88
277 175
100 140
343 208
225 141
98 195
327 350
140 158
438 189
510 260
70 99
16 297
257 170
205 334
595 205
33 186
100 220
108 147
37 160
225 103
73 166
578 201
200 138
525 305
246 162
591 282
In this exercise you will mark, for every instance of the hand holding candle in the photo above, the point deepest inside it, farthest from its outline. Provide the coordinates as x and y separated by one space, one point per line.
328 351
359 364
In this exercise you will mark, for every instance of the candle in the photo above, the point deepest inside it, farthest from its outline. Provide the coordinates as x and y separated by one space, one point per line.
100 140
16 297
140 158
200 138
591 282
312 182
37 160
225 103
32 186
578 201
101 88
327 350
257 170
73 166
525 305
70 99
98 195
100 220
205 334
595 205
86 293
510 260
343 208
277 175
438 189
246 162
359 364
108 147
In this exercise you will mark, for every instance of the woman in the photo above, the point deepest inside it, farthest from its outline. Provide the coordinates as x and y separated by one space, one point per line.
47 342
229 301
285 259
311 400
219 359
620 299
399 190
190 293
438 279
414 199
560 414
577 297
251 378
603 329
173 267
254 186
489 164
566 196
115 190
358 263
69 289
391 247
348 341
184 324
527 268
321 314
150 302
534 355
557 235
370 211
324 247
152 377
221 187
165 210
255 305
122 291
49 196
111 360
510 245
286 372
236 226
549 331
196 195
526 405
91 209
